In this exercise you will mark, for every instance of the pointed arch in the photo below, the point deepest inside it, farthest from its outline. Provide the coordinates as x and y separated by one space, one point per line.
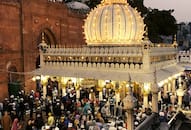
49 37
12 76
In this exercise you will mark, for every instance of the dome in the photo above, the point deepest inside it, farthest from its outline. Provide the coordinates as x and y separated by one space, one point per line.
77 5
114 22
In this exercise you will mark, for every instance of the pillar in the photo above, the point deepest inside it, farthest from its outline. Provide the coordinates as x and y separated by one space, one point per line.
180 94
91 95
129 103
179 101
78 94
155 90
165 88
123 91
130 120
63 91
117 95
159 96
145 101
174 85
100 95
173 99
169 88
146 90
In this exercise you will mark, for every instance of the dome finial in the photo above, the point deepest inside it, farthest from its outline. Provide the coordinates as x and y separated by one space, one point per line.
146 34
113 1
175 44
43 46
43 39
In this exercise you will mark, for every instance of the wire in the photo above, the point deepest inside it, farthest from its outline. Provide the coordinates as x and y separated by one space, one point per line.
20 73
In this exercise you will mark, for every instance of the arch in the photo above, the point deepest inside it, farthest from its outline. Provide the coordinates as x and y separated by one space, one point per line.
49 37
12 77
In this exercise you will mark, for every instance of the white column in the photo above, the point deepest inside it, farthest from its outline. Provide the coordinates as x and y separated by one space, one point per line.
117 95
90 96
159 96
129 103
179 101
63 91
174 85
130 120
100 96
78 94
41 59
165 88
145 101
154 90
173 99
169 86
123 91
180 94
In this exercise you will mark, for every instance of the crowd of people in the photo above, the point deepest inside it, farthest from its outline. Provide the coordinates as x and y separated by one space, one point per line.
68 112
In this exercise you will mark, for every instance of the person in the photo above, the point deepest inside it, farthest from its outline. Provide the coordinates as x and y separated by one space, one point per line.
16 125
112 105
6 121
51 120
61 125
29 125
39 122
21 109
119 109
99 118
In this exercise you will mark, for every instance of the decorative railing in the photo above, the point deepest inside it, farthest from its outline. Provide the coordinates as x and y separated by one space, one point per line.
121 51
117 66
163 64
163 51
184 57
95 57
105 57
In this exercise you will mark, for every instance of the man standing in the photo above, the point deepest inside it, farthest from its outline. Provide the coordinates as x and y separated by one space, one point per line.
6 121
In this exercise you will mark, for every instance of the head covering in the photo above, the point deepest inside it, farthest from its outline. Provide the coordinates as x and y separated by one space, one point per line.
69 125
38 115
47 127
49 114
161 113
56 128
15 124
112 124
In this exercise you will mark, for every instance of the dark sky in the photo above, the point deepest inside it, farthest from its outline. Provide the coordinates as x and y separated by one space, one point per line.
182 8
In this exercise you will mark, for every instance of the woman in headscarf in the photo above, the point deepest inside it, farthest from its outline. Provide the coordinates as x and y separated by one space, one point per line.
16 125
51 120
29 125
6 121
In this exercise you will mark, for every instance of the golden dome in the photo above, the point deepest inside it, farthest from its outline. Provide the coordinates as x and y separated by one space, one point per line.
113 1
114 22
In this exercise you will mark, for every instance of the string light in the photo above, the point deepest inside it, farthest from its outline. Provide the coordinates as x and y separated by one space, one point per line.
19 73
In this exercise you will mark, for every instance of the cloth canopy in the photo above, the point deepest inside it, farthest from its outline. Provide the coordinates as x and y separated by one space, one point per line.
115 75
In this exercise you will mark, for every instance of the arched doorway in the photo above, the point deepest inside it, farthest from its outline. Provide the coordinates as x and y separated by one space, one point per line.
14 85
49 38
12 75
